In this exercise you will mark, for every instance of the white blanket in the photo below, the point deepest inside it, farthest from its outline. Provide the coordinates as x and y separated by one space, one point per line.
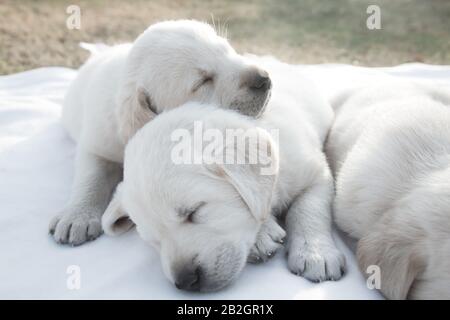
36 171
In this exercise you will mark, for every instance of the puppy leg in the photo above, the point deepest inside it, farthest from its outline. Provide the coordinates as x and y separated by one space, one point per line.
268 241
95 180
312 252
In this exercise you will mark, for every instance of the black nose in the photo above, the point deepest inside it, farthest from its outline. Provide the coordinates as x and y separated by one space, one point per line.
188 279
260 81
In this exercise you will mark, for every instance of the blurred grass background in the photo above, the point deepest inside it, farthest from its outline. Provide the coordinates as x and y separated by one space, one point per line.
34 33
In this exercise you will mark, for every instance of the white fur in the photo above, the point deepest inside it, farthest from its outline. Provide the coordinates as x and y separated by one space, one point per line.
390 150
240 205
120 88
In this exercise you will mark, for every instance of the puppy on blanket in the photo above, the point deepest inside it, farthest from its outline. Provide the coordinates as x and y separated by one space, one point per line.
208 217
121 88
390 152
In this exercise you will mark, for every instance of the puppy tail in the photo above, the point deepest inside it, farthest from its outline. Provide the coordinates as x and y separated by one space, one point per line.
94 48
393 248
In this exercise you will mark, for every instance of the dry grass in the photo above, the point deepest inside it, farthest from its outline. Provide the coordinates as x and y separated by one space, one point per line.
34 33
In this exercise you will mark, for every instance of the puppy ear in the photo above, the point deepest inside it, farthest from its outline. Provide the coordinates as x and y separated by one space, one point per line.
115 220
392 246
255 177
134 111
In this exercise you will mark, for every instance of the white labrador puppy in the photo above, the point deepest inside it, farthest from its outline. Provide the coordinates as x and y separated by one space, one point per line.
117 91
207 218
390 151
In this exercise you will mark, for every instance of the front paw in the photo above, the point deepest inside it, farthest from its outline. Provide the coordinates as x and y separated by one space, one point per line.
75 228
316 262
268 241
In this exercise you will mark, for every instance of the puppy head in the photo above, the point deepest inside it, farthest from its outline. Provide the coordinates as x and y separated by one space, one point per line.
174 62
203 217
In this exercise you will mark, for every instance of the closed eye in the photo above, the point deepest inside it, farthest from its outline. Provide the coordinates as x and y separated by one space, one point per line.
190 214
207 79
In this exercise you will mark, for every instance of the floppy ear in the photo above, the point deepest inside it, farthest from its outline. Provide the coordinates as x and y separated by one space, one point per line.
115 220
393 245
255 179
134 111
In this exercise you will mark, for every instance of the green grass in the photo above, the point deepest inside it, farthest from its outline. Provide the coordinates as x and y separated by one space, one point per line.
33 33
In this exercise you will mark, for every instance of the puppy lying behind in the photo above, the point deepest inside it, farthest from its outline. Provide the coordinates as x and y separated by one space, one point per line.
390 151
117 91
208 217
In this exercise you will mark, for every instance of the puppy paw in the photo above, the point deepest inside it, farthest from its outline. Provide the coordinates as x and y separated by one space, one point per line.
268 241
75 229
316 263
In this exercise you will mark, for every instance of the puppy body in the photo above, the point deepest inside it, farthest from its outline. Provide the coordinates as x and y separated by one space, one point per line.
90 105
236 218
121 88
389 148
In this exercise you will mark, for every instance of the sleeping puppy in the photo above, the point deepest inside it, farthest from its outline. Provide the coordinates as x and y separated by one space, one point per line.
120 89
390 151
208 216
